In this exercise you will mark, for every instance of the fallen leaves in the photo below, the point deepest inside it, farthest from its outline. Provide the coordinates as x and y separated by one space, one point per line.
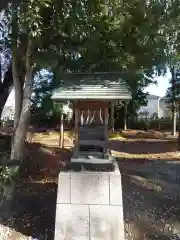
150 156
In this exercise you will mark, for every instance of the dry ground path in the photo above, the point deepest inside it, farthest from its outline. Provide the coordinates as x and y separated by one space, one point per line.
150 179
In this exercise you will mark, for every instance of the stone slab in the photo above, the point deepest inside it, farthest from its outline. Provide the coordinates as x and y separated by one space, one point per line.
72 222
87 188
94 160
90 167
63 193
115 190
89 205
101 143
106 223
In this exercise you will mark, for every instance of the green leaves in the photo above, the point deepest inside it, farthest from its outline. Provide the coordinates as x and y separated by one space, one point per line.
31 16
9 174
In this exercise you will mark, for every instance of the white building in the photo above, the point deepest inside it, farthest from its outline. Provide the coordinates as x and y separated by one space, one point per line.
8 113
158 105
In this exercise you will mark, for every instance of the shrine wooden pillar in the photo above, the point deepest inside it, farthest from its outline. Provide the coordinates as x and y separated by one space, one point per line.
106 117
125 115
76 129
61 137
112 116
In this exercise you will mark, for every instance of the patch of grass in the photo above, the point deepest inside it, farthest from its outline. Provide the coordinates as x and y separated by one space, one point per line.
116 136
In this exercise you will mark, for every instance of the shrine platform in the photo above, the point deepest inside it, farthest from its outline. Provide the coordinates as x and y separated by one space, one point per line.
89 204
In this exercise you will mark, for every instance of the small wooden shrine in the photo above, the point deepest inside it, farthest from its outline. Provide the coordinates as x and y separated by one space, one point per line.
91 96
89 202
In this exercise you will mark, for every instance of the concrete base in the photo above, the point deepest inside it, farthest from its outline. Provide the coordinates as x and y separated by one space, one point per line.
89 206
93 158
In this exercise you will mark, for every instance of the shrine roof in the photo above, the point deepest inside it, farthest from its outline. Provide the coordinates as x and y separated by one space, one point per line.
99 86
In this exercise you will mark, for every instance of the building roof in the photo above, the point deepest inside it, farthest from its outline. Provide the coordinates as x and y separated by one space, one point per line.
151 96
99 86
164 98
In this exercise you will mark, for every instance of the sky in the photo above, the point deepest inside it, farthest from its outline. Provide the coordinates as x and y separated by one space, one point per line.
159 89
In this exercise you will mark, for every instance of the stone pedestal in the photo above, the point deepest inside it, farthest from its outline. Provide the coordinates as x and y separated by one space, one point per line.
89 206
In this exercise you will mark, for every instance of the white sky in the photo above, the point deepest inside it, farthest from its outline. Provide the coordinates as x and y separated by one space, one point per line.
159 89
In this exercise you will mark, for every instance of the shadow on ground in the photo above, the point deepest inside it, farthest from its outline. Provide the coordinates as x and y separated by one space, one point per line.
35 201
151 199
147 134
151 193
151 146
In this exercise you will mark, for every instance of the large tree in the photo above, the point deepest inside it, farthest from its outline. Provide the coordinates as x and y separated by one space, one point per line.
27 35
113 36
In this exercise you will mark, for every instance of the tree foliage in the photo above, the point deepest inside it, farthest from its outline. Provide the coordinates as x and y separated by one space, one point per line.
107 36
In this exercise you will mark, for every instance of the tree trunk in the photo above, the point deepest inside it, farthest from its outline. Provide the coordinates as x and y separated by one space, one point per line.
22 108
6 204
17 151
16 69
22 81
5 88
18 88
174 119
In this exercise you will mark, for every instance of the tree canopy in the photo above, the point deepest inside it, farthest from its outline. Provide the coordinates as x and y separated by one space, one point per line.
106 36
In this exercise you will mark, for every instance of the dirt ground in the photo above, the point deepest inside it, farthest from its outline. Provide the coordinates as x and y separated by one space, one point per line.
150 179
35 200
151 199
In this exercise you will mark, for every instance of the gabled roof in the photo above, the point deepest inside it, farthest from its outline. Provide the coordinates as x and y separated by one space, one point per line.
164 98
99 86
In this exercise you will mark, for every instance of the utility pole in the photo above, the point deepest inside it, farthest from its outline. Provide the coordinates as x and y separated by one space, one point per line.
173 101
